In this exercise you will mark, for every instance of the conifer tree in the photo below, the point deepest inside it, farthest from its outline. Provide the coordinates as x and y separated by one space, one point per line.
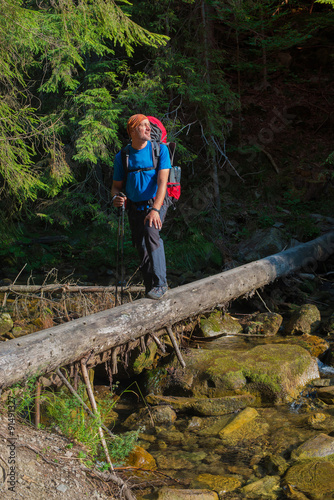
46 50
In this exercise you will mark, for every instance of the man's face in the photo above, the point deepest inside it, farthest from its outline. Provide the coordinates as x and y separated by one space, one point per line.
143 131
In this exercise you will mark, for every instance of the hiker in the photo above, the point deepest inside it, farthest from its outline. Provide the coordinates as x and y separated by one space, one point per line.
145 199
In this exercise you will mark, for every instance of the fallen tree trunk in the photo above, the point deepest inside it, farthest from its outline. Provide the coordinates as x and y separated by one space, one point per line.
44 351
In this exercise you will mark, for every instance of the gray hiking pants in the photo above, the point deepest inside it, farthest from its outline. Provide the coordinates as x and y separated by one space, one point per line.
150 247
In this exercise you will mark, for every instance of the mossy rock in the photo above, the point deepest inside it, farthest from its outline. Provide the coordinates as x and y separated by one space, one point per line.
218 324
268 324
276 373
305 320
145 359
314 344
6 323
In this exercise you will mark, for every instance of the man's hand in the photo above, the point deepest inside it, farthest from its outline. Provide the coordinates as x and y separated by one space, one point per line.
119 201
153 218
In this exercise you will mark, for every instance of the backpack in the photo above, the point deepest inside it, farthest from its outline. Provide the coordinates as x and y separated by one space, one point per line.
159 136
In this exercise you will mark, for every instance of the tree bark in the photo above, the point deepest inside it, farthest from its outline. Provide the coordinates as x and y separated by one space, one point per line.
44 351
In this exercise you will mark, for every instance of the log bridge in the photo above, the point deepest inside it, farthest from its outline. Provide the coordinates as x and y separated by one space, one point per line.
105 335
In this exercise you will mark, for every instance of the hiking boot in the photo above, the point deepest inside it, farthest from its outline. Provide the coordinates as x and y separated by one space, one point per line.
157 292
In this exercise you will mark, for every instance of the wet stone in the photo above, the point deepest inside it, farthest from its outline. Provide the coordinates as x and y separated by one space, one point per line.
321 421
173 461
275 465
319 485
161 415
171 436
219 483
177 494
140 458
212 426
205 406
264 488
246 426
314 344
318 446
195 424
326 394
222 406
323 382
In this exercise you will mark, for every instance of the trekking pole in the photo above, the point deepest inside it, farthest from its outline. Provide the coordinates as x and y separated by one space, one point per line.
120 248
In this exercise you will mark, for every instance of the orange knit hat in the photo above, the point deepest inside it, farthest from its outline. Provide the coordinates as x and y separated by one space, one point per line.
133 122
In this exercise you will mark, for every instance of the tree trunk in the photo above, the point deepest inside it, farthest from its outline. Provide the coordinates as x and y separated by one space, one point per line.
44 351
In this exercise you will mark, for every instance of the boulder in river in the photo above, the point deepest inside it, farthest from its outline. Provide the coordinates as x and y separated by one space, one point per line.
217 324
314 344
274 373
266 324
318 446
314 478
305 320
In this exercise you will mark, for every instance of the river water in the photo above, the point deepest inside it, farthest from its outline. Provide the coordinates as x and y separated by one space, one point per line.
190 455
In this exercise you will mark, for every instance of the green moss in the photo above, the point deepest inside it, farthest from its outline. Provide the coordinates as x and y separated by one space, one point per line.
145 359
212 324
154 379
272 381
273 371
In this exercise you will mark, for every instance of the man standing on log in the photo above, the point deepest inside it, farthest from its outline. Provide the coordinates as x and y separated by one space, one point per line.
145 189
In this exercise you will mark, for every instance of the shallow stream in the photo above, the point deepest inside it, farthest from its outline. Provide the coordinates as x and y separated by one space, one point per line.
189 453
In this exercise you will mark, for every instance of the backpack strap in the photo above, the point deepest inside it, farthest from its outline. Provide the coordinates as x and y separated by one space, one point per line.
125 153
155 153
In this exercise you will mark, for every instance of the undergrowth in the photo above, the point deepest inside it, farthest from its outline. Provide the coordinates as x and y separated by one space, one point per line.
63 412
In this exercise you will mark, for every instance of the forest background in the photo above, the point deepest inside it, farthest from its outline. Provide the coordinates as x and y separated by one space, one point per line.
245 89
